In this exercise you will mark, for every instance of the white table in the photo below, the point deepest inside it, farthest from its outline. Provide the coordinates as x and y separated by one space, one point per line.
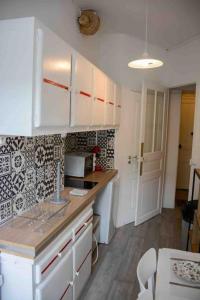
167 291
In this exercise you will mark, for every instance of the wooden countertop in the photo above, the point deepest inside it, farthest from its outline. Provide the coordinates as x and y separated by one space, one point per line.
18 238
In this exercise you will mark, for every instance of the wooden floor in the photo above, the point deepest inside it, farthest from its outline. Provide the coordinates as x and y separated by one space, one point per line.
114 276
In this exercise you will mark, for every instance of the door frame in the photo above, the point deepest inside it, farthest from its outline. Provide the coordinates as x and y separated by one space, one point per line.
167 202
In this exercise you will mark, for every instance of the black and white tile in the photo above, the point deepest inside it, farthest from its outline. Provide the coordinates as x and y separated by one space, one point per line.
6 211
18 182
27 172
5 164
18 161
85 141
6 188
40 155
19 204
40 192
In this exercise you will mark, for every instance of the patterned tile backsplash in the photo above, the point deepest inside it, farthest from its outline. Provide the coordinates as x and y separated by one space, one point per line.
85 141
28 166
28 172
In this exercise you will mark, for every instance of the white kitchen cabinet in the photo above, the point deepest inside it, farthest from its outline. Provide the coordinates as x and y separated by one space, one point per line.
53 76
110 102
82 91
117 106
35 79
82 255
60 271
58 284
98 112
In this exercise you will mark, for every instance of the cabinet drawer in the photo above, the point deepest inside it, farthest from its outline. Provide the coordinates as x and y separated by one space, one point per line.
82 224
83 275
82 251
57 285
50 259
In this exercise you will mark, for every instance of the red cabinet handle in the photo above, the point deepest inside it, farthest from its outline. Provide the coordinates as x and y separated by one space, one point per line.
84 260
85 94
83 225
110 102
100 99
63 248
65 292
62 86
55 257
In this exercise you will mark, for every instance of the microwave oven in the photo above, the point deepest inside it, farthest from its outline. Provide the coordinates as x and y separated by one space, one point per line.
78 164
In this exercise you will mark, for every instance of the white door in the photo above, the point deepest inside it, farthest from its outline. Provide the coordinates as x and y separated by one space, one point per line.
185 139
99 97
53 76
82 91
127 148
152 152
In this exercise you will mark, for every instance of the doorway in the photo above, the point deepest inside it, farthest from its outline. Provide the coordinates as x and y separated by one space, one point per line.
179 145
187 108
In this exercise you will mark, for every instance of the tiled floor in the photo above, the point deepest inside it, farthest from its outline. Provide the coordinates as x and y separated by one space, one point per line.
114 276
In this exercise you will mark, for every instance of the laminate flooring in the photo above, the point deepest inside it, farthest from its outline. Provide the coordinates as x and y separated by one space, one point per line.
114 275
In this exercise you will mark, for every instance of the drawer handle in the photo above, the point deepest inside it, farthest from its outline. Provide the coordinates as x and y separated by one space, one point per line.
76 273
71 283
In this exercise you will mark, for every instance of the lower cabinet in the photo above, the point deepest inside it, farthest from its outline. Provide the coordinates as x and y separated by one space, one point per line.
58 284
82 255
59 272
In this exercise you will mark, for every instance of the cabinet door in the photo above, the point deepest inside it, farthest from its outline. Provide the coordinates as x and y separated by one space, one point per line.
53 75
110 102
58 283
82 254
117 106
82 90
99 97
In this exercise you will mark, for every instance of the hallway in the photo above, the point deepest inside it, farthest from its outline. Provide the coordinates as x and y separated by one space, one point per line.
114 276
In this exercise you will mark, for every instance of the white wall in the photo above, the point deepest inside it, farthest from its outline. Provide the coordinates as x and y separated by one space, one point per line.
172 149
110 51
59 15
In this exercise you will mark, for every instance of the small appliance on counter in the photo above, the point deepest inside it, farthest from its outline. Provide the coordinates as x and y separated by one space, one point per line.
78 164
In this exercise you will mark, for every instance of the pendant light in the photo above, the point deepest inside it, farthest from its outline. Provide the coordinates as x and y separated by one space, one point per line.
145 62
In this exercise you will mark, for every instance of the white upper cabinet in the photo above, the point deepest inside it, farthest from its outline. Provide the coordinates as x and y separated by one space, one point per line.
98 112
53 76
82 91
110 102
35 79
117 105
16 76
46 86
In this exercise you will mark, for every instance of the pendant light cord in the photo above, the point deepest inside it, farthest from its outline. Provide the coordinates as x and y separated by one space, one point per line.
146 25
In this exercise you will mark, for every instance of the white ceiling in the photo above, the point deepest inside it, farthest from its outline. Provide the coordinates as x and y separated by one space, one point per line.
172 22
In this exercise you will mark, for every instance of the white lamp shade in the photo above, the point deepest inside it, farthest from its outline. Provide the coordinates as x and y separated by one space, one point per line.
145 63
